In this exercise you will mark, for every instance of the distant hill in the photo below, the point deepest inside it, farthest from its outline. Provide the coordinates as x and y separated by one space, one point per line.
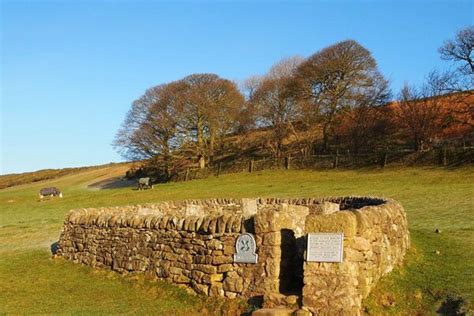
10 180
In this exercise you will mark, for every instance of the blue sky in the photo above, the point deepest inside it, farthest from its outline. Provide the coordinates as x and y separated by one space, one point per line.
71 69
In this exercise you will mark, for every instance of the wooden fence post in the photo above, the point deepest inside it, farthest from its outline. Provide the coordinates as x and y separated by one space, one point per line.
384 159
219 168
186 177
251 165
336 159
287 162
445 158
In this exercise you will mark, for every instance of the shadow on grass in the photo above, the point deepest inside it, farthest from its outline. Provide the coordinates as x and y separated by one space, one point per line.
113 183
454 305
54 247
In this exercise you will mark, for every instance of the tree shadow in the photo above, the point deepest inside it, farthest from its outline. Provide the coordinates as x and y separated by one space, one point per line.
453 306
113 183
254 302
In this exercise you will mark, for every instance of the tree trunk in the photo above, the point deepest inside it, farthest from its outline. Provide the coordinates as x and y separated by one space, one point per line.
212 141
202 162
326 137
200 143
167 160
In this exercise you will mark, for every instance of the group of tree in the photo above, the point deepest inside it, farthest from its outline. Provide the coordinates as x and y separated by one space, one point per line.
337 96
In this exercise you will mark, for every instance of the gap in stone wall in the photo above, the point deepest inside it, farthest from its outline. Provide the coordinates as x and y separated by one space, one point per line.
291 264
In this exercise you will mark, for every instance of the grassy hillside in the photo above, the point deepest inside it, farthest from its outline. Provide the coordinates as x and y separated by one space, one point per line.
10 180
31 282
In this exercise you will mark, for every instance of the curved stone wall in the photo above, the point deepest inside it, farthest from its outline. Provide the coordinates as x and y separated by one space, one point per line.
192 243
376 238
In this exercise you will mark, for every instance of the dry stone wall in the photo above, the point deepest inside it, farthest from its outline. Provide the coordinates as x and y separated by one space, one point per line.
376 238
192 243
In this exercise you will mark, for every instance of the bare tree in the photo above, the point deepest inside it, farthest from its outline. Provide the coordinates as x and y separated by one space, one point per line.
423 111
460 50
224 108
418 119
273 102
250 85
337 78
210 106
460 83
150 127
367 125
277 108
285 68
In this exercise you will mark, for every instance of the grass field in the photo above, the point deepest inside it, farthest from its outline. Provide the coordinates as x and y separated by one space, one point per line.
32 282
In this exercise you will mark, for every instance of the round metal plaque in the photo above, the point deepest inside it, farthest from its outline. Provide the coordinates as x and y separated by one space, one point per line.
245 249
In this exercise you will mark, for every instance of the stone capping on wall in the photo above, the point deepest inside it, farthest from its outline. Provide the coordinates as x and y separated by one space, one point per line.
105 217
197 215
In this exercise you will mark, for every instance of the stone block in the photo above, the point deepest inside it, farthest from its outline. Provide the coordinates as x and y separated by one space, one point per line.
326 208
181 279
194 210
216 289
272 239
211 278
302 312
229 250
272 267
197 275
233 284
343 221
198 223
215 244
206 268
237 224
205 224
269 251
212 229
202 289
224 268
186 258
272 300
249 207
265 221
353 255
359 243
270 285
222 223
175 270
218 260
282 311
231 294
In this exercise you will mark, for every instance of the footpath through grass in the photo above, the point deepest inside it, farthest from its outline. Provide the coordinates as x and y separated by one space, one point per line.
438 267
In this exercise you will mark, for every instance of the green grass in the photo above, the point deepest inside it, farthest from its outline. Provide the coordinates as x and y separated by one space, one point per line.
434 198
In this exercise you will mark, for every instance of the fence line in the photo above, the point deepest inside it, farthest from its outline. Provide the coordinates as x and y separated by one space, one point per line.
442 155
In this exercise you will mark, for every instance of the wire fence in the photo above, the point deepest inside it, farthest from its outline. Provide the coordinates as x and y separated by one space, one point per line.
446 155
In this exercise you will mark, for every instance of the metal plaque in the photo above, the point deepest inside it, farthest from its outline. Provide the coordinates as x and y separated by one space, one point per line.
245 248
325 247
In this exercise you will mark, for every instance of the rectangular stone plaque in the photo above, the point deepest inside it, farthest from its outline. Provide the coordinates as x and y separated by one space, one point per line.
325 247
